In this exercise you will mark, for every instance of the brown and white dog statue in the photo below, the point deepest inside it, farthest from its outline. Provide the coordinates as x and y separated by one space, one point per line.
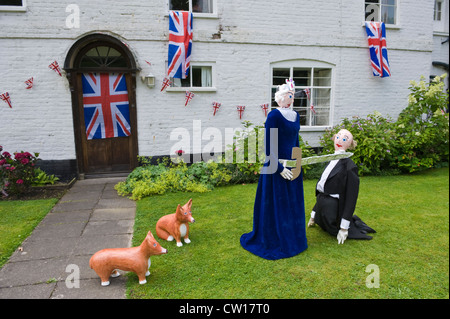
176 225
105 262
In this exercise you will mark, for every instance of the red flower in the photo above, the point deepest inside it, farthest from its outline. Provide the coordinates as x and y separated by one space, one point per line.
19 181
179 152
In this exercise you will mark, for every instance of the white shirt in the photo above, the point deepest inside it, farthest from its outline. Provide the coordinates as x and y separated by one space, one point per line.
321 185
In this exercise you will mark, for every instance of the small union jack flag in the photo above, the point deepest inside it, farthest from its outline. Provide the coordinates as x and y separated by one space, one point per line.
265 107
55 67
106 106
29 83
166 83
216 107
189 97
312 109
5 97
376 34
240 109
180 44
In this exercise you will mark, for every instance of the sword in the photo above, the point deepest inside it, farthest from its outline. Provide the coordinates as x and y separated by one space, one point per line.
298 161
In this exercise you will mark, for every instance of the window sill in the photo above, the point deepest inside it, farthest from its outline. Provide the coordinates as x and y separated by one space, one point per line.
13 9
199 15
314 128
388 26
191 89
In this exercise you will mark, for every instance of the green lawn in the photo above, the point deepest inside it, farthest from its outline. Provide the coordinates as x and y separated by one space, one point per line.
410 248
17 221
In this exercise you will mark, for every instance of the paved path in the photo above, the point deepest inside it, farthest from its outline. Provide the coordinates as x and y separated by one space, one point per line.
90 216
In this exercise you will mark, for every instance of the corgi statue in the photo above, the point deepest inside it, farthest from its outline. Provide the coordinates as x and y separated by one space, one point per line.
105 262
175 226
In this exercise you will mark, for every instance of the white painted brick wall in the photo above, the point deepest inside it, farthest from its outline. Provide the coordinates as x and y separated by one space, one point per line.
253 34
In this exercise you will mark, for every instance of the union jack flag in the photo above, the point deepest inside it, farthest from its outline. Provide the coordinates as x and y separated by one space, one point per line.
240 109
376 34
166 83
5 97
216 106
106 107
55 67
265 107
189 97
29 83
180 44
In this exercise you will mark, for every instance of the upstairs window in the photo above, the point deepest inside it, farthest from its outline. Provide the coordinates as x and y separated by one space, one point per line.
13 5
438 10
196 6
381 10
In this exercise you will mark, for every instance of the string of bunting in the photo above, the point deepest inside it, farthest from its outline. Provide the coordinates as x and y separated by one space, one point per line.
29 83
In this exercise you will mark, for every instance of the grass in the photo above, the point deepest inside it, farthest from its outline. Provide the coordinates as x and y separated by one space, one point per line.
17 221
410 248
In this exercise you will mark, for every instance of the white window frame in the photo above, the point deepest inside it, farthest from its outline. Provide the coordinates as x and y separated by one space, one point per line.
307 64
21 8
388 25
200 14
191 88
436 10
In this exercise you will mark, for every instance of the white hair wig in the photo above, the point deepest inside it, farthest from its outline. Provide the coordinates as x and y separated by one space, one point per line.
282 90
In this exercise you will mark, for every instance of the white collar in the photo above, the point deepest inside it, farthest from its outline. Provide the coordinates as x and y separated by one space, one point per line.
288 114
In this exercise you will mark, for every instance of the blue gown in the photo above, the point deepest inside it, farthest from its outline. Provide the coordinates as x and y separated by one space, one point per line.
279 211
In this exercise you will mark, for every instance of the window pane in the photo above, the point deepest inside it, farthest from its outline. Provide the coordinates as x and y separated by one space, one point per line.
103 56
177 83
320 117
388 14
201 76
11 3
372 11
304 119
321 97
322 77
204 6
302 77
389 2
182 5
280 76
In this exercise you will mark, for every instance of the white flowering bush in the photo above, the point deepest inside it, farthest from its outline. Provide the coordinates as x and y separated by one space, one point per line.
422 132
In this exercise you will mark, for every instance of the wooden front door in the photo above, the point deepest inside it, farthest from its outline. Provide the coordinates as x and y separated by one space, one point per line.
107 123
102 76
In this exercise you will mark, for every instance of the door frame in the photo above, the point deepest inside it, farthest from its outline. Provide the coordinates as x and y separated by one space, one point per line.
73 71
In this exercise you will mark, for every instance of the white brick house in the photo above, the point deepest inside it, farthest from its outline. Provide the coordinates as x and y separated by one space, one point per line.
241 49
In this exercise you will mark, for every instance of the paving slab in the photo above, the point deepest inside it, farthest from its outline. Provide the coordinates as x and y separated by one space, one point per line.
89 217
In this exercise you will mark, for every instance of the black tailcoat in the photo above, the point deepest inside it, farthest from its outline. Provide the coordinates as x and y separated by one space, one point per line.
343 180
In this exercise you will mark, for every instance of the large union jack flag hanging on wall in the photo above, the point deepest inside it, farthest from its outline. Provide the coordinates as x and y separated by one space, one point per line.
180 44
106 107
376 34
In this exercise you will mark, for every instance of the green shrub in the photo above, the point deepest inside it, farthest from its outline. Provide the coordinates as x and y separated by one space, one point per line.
423 127
150 180
418 140
41 178
374 135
